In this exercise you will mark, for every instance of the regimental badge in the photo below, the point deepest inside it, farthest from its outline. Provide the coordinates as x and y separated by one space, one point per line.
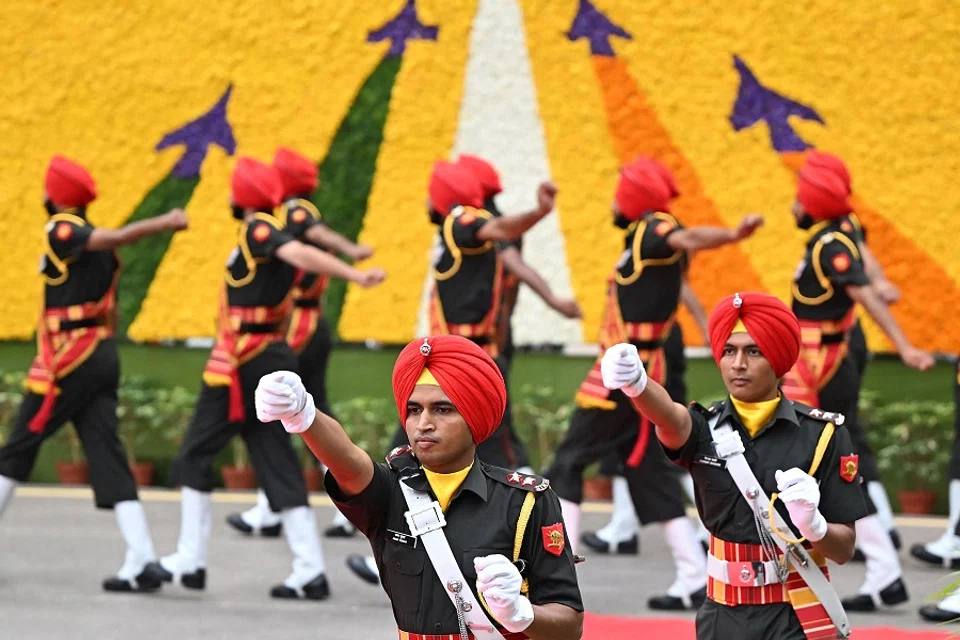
663 228
553 540
64 231
841 262
467 219
849 465
846 226
299 216
261 232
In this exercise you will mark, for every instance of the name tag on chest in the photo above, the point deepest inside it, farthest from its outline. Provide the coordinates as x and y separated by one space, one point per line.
401 538
709 461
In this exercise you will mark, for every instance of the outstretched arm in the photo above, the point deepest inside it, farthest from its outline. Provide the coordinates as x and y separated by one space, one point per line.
326 237
513 262
282 396
698 238
621 368
107 239
690 300
911 356
885 290
313 260
509 228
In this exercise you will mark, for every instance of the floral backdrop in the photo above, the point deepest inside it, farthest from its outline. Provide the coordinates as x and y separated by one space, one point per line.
158 99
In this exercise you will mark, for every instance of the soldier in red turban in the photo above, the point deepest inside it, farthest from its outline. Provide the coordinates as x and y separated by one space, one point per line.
755 339
255 307
75 374
450 396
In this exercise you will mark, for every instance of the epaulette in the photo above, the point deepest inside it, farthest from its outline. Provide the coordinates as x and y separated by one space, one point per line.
402 458
826 416
515 479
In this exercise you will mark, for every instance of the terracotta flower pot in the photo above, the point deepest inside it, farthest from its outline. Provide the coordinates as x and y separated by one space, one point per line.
314 478
916 502
239 478
72 472
143 473
600 489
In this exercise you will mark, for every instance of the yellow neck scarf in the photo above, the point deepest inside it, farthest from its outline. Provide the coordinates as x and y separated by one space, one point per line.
755 415
444 485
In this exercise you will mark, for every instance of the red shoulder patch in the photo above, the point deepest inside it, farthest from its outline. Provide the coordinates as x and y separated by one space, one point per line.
64 231
468 219
299 216
846 226
261 232
841 262
849 466
663 228
553 540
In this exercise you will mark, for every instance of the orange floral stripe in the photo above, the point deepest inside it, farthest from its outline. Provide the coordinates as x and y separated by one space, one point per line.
932 292
636 129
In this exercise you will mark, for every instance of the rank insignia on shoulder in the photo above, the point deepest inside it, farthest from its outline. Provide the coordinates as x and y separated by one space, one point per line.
261 232
299 215
519 480
396 453
64 231
849 465
827 416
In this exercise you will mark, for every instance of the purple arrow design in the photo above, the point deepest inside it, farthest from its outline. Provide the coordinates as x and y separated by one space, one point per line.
755 103
590 23
402 27
197 136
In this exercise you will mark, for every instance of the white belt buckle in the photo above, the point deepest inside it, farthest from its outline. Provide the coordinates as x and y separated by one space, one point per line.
745 574
425 520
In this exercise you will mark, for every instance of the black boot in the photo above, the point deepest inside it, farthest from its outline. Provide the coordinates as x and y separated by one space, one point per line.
316 589
934 613
236 521
143 583
673 603
921 553
340 531
358 565
630 546
196 580
895 594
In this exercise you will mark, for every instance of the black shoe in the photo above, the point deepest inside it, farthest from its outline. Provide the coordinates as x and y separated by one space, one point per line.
895 594
933 613
340 531
316 589
145 583
236 521
358 565
894 538
598 544
672 603
919 551
196 580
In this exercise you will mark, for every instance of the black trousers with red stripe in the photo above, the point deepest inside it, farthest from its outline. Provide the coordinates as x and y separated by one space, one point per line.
271 451
596 433
748 622
88 399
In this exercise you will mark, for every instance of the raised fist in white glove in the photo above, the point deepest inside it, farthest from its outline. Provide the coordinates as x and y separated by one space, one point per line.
282 396
621 368
499 581
801 495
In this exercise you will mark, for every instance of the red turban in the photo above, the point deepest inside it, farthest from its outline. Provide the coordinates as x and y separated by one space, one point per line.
769 322
667 176
298 174
452 184
832 163
641 189
255 185
469 377
484 172
822 193
69 184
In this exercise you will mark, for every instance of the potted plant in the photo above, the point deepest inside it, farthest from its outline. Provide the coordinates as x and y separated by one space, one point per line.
914 441
240 475
75 470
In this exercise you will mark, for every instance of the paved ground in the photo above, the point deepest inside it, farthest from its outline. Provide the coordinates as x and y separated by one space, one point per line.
55 548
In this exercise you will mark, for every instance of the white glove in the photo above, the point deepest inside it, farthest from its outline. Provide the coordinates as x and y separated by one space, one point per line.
621 368
729 444
281 396
499 581
801 495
